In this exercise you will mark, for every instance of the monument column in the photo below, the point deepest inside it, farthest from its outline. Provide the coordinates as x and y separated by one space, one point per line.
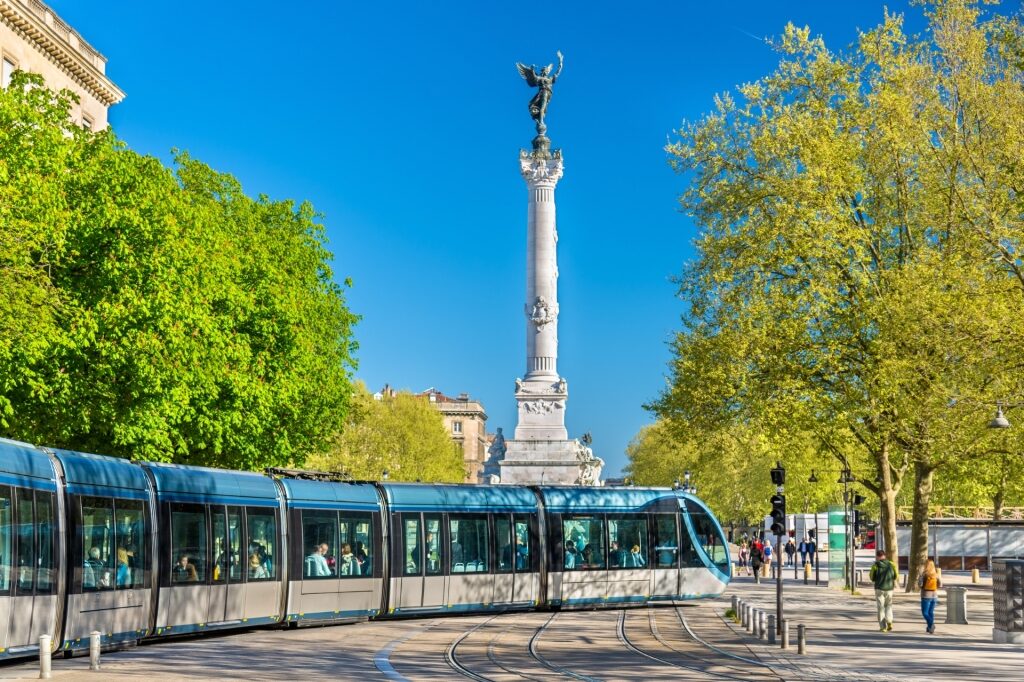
541 452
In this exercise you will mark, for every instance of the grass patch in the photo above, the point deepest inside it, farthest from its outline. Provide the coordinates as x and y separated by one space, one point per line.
730 613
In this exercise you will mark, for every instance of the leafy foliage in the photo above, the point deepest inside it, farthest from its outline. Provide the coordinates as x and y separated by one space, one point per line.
157 313
859 276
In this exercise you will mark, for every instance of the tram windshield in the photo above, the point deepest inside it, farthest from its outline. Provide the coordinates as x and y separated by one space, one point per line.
708 536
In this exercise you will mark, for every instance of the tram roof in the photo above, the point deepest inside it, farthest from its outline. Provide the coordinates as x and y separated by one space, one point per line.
562 499
89 474
19 459
472 498
180 483
307 494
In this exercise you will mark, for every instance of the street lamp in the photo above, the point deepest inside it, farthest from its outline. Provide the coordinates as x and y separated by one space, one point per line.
999 421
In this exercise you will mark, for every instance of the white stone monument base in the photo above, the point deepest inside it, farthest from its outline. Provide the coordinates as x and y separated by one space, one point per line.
550 462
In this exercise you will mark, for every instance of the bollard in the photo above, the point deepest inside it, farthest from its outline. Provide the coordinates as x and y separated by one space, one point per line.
938 572
771 629
975 576
94 650
44 657
785 633
735 606
762 628
807 573
750 618
858 577
745 616
801 639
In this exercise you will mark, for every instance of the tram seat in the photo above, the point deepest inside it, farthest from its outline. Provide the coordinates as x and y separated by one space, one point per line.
459 567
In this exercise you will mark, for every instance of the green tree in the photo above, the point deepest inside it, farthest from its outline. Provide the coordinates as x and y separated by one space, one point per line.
156 313
851 208
401 434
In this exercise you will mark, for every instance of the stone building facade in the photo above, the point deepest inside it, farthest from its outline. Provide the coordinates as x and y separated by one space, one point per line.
466 421
33 38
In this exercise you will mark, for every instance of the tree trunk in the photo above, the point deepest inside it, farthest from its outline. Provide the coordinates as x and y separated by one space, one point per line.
887 503
997 503
923 485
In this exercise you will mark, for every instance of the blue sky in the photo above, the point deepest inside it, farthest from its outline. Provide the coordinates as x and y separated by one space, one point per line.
402 121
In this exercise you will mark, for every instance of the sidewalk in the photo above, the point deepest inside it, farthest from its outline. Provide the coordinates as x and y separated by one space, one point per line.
844 642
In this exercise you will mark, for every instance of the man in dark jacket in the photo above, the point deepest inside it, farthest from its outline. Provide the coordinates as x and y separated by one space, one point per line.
884 574
756 561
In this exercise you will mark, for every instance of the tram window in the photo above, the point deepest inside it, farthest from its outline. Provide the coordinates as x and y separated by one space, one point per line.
188 544
5 538
44 524
411 550
219 529
583 542
319 538
97 543
432 544
503 542
356 547
470 547
235 560
522 543
627 542
666 549
130 543
262 527
26 542
688 553
708 535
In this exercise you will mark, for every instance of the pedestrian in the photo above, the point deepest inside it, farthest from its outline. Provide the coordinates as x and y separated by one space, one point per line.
756 561
883 574
803 551
812 551
767 551
790 552
744 556
929 582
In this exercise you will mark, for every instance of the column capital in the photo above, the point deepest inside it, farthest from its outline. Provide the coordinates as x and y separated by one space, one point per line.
538 170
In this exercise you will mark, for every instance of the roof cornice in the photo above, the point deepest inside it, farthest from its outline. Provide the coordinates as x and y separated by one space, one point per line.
56 41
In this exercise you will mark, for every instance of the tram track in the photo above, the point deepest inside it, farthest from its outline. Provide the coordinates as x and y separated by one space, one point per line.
460 663
681 658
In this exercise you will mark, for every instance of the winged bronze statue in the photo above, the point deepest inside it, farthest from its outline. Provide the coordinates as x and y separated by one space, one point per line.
543 80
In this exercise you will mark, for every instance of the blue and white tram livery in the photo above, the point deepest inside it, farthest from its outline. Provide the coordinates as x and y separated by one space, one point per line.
613 546
147 550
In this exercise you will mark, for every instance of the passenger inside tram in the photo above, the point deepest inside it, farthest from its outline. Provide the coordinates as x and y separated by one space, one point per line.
184 571
124 573
256 569
92 570
315 565
349 565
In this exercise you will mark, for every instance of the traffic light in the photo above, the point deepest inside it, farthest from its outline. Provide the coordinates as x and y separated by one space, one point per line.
778 474
858 500
778 514
856 522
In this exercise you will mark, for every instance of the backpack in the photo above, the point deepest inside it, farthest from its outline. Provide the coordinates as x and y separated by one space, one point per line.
931 583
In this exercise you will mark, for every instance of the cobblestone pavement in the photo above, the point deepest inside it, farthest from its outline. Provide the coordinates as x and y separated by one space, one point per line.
694 641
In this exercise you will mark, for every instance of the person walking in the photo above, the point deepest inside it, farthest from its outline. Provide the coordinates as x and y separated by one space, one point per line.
812 551
767 551
883 574
803 551
929 582
744 556
790 552
756 561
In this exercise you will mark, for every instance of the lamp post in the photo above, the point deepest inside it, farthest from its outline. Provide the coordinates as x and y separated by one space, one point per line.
846 478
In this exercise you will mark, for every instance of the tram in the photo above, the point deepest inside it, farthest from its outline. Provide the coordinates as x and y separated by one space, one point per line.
147 550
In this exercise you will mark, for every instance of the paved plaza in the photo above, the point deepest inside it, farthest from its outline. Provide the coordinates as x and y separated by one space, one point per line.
692 641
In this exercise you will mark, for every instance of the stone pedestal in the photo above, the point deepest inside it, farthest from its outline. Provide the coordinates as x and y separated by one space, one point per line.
542 452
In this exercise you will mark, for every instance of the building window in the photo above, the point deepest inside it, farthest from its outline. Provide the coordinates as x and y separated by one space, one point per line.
456 427
86 122
8 70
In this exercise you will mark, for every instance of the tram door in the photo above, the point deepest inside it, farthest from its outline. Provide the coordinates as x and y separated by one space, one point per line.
434 561
227 589
526 587
504 577
666 575
30 578
421 567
